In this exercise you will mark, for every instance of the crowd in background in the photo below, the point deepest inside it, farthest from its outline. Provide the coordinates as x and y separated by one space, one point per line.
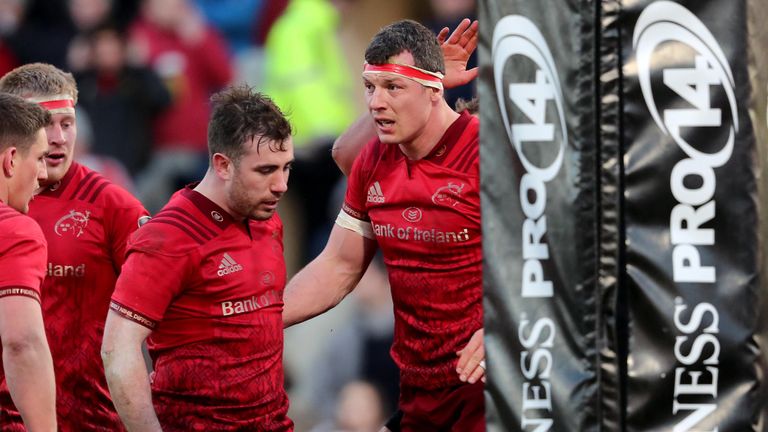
145 70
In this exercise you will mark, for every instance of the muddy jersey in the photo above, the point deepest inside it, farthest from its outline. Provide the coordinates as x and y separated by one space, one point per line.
211 290
425 215
22 269
86 220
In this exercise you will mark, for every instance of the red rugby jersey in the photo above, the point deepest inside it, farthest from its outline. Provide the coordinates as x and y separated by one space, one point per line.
426 217
86 221
211 289
22 269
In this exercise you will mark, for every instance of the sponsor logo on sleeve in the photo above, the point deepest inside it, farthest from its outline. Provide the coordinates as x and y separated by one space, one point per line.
132 315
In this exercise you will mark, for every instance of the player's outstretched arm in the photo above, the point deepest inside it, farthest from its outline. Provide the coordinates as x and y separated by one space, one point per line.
127 374
325 281
27 362
471 364
457 48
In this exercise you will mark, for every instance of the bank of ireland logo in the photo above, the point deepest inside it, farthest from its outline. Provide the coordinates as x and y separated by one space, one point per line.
73 223
412 214
516 39
666 22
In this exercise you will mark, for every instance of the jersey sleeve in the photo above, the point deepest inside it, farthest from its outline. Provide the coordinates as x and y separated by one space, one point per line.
23 256
355 198
150 278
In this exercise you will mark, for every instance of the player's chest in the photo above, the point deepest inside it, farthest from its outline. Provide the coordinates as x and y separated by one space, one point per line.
73 230
422 194
243 269
420 208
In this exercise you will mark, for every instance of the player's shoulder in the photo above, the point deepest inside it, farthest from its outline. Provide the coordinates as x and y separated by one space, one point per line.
374 150
96 189
19 226
176 229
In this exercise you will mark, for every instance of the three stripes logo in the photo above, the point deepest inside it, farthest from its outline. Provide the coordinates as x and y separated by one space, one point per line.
375 195
228 265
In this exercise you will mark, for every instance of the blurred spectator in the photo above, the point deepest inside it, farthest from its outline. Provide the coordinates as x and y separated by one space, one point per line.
360 350
271 11
86 15
121 99
43 34
192 59
235 19
359 409
307 75
449 13
108 167
239 21
11 15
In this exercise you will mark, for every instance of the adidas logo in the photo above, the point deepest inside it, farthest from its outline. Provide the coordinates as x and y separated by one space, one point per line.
228 265
375 195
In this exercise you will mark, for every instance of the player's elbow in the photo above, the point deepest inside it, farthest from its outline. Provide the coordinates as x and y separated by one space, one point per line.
340 156
21 344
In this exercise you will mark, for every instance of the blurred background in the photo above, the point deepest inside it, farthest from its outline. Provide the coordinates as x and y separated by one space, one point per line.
145 70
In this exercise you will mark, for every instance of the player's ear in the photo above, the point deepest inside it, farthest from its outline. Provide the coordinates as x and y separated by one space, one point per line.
436 94
222 165
7 159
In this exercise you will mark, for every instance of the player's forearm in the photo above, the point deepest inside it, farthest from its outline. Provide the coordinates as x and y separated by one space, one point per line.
129 387
349 144
315 289
29 374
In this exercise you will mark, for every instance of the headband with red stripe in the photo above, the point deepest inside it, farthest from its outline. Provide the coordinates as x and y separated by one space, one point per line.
421 76
57 104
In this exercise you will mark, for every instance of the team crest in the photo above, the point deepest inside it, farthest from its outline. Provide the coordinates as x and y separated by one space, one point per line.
73 223
448 195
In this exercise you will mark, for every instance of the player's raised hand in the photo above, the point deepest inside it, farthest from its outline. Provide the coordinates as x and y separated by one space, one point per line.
456 51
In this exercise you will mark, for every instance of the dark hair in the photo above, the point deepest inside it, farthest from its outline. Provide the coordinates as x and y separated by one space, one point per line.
39 79
471 106
406 35
20 121
241 114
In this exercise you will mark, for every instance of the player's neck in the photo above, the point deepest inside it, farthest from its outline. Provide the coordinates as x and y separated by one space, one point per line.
212 188
4 192
442 118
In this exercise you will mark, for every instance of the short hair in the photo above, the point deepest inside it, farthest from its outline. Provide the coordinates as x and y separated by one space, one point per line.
39 79
20 121
471 106
406 35
241 114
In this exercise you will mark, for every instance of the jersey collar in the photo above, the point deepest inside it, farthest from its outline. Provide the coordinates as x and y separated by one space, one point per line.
213 213
449 138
